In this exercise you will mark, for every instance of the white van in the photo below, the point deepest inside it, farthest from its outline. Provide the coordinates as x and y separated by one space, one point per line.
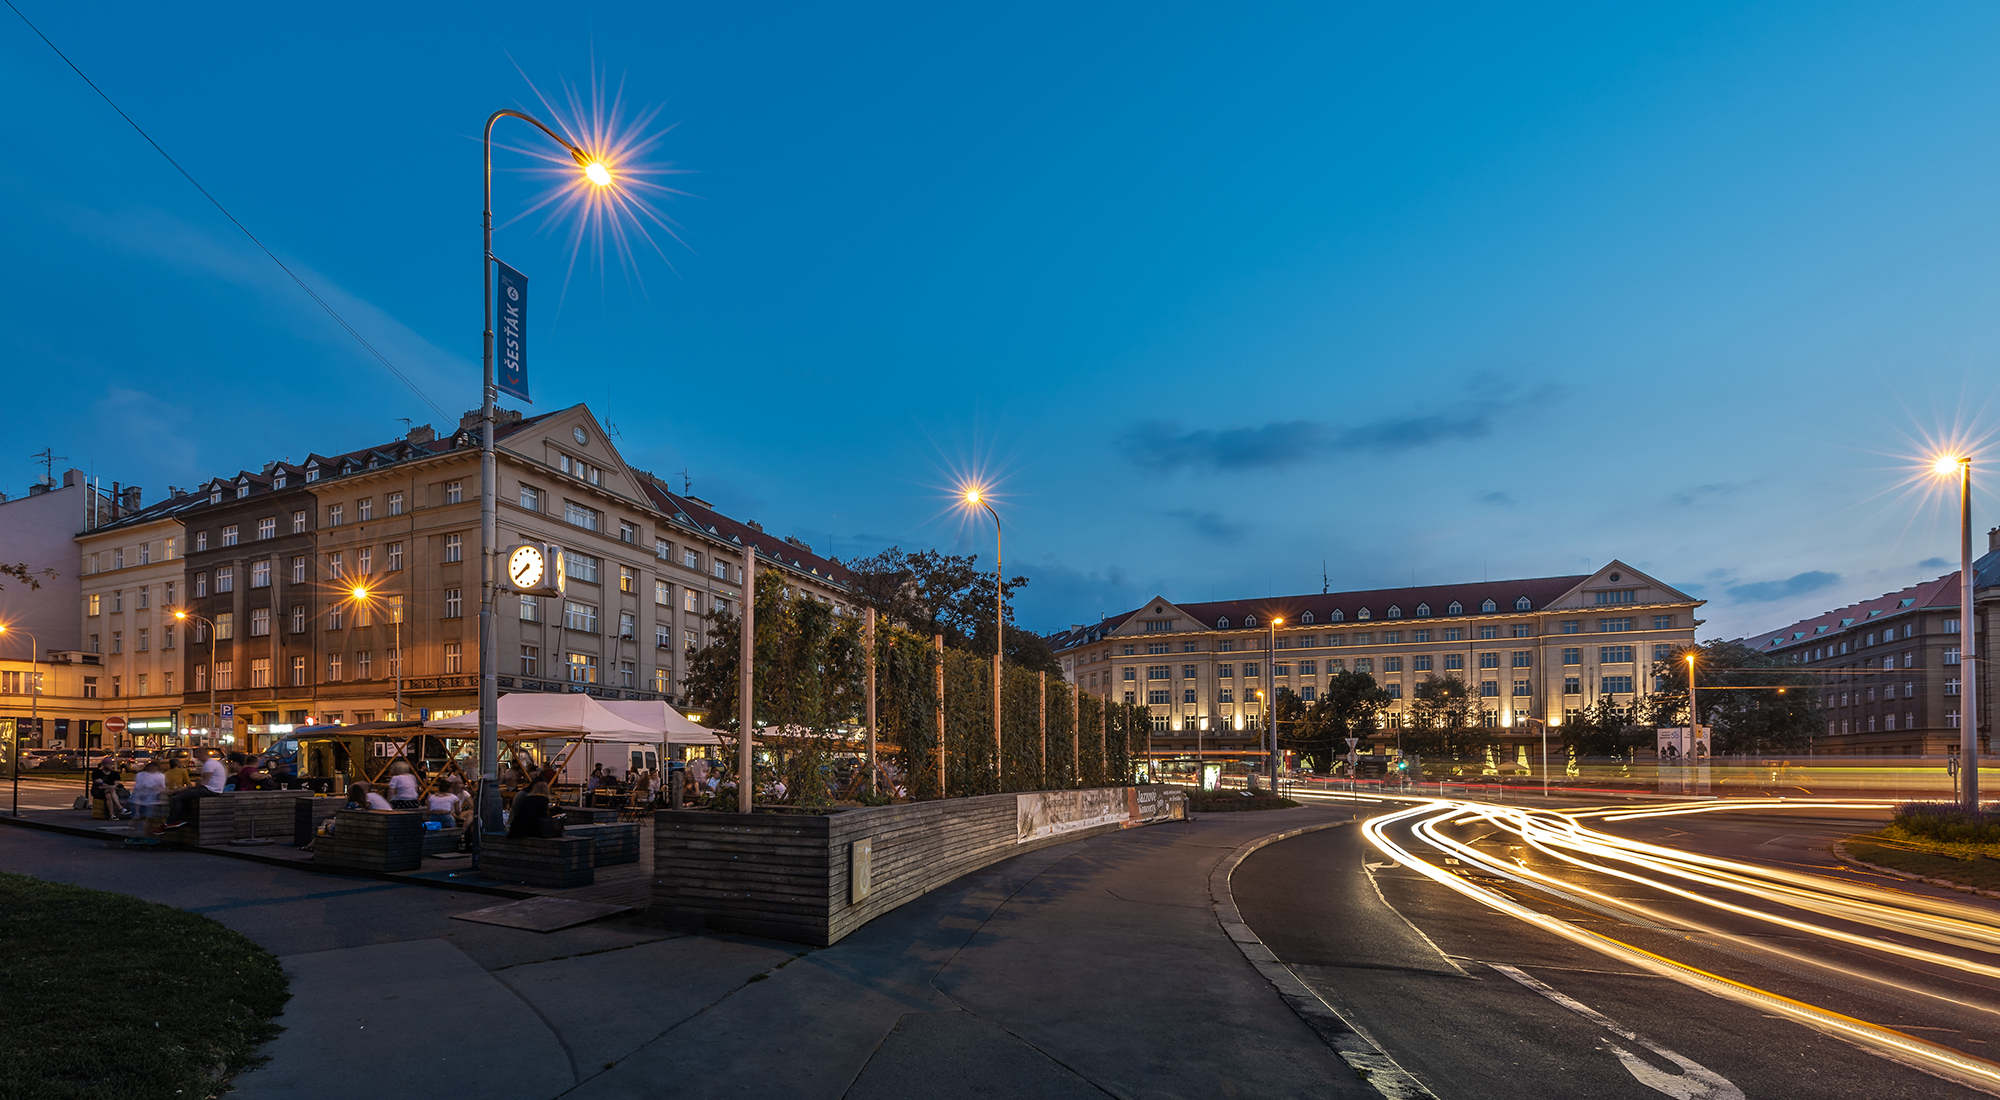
618 758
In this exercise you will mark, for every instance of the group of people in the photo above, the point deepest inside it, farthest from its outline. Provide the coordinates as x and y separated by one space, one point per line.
447 801
166 787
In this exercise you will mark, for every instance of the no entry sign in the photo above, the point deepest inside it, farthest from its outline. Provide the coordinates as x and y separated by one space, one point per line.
114 724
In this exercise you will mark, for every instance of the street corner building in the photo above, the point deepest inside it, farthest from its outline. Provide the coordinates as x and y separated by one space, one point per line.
1541 648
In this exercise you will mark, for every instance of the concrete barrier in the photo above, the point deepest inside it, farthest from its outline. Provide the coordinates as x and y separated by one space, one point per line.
815 878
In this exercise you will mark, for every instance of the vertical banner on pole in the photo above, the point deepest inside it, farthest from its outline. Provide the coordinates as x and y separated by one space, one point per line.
510 332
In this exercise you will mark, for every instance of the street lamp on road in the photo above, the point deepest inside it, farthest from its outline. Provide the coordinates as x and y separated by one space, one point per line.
183 614
599 174
1271 708
34 711
976 497
1968 721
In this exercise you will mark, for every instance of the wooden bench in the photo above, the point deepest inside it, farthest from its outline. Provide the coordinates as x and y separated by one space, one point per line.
580 815
210 820
264 813
440 841
538 861
307 813
609 844
373 840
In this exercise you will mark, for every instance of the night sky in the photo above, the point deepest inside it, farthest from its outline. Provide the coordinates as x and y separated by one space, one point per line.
1215 297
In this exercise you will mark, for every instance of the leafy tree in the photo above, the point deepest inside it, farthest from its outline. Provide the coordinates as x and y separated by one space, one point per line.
1444 723
1350 706
1781 718
1605 729
23 574
949 594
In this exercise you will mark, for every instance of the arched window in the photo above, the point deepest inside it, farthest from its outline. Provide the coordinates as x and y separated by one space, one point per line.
1524 604
1489 607
1249 622
1337 616
1362 614
1308 617
1456 608
1423 611
1222 623
1395 612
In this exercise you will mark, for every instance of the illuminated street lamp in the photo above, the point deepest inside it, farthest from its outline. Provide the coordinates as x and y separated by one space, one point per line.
489 671
975 497
1271 708
363 596
34 711
183 614
1968 721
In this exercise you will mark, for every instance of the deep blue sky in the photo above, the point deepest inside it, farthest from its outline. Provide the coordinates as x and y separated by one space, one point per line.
1216 294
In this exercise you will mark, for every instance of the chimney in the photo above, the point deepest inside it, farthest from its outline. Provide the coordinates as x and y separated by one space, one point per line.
72 478
131 499
1993 539
422 433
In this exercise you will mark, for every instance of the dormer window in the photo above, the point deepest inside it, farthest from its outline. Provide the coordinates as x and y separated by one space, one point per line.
278 482
1222 623
1306 618
1489 607
1456 608
1423 611
1337 616
242 490
215 495
1395 612
1249 622
1364 614
1524 604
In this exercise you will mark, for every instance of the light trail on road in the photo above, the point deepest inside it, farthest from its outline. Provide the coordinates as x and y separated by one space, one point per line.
1813 905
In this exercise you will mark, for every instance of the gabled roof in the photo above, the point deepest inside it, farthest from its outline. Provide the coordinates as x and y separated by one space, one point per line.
1933 595
769 546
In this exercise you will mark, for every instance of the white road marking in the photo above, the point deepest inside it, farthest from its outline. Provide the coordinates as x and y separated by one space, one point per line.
1695 1082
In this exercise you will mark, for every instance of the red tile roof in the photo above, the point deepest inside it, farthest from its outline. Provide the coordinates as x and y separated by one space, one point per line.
1939 593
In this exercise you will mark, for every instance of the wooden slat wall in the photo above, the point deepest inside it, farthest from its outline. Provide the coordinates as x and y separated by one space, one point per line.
786 875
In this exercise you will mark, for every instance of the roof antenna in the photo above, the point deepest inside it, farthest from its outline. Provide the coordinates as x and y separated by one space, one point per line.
1325 586
48 458
687 483
407 423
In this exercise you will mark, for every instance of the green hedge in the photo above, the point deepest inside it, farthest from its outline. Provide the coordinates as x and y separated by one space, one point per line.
1947 822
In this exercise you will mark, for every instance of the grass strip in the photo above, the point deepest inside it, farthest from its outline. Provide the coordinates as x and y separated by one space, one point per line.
1979 871
108 997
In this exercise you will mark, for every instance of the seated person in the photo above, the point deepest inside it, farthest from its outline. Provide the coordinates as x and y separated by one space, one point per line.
403 785
149 790
456 788
441 806
361 797
104 785
534 813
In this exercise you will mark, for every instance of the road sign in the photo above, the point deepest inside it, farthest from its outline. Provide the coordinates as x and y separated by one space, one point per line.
229 715
114 724
424 713
1354 742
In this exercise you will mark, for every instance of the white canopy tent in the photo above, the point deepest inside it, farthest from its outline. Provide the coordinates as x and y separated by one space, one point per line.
553 714
674 726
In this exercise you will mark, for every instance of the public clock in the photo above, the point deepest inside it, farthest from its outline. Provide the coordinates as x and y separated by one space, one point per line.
526 567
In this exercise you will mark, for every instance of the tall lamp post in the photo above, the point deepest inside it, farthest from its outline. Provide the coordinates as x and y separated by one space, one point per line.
1968 721
977 498
183 614
363 596
1271 703
1694 712
489 665
34 711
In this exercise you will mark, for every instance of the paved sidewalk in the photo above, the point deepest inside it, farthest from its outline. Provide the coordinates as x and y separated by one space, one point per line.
1087 969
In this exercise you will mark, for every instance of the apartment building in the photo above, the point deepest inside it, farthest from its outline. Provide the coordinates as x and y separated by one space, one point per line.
1531 650
132 579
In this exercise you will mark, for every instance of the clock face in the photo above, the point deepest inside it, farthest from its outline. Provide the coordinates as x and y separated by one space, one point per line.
525 567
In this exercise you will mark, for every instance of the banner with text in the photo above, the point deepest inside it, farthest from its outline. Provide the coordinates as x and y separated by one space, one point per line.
510 332
1045 814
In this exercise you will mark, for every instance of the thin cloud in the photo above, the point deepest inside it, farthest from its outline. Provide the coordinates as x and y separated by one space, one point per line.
1798 584
1164 446
1498 498
1687 497
1937 563
1212 525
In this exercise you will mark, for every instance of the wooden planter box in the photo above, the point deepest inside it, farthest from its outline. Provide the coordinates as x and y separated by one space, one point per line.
264 813
373 840
211 820
814 879
538 861
308 812
618 843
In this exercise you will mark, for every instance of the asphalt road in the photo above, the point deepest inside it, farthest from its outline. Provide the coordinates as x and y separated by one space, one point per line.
1477 1004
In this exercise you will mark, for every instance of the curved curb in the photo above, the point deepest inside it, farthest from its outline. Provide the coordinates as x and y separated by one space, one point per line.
1361 1053
1841 853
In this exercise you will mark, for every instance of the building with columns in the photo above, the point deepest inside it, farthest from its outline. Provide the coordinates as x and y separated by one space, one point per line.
1531 650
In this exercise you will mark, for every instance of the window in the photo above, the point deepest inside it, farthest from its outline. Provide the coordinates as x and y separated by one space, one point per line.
663 594
454 547
1225 671
1454 662
1222 623
260 574
1489 660
579 616
298 618
582 668
1159 672
1614 654
1361 664
1522 658
1157 697
691 601
1622 595
299 522
531 498
1951 656
333 668
335 566
578 515
663 636
662 551
1489 607
627 674
395 556
1523 630
96 603
1489 689
454 658
1421 636
267 528
145 553
1608 626
1663 622
1572 685
1281 669
225 579
1573 655
1488 633
1617 685
663 681
395 504
1188 672
1226 645
1523 604
531 610
530 657
260 623
1157 647
228 539
336 616
691 559
260 672
225 675
1394 691
720 568
364 560
1392 664
580 567
454 492
1572 626
117 641
167 640
690 641
365 511
1662 651
299 569
225 625
1228 695
1306 668
336 514
454 603
628 579
628 533
201 540
364 613
627 627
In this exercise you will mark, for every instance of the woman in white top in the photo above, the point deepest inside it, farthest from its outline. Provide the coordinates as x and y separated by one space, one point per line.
149 791
442 807
403 786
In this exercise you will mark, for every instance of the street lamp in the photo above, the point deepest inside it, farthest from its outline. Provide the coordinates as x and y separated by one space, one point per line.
1968 722
183 614
362 595
489 671
976 498
34 711
1271 708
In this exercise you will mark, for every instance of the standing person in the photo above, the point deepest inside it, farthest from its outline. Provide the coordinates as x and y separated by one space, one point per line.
591 784
642 788
403 786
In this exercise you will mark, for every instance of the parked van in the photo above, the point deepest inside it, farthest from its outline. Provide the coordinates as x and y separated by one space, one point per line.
619 758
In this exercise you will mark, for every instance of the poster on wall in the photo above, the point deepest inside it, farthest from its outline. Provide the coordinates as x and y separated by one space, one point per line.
1052 813
1145 805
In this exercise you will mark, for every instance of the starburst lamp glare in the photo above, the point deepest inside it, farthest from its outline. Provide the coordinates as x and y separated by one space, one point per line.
593 169
1946 465
360 593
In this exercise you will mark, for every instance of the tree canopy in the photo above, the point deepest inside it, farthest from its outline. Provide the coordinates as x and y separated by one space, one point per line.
1782 715
1350 706
949 594
1444 723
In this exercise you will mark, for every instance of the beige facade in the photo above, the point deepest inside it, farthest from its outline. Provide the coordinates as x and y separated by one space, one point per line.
132 577
1535 650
